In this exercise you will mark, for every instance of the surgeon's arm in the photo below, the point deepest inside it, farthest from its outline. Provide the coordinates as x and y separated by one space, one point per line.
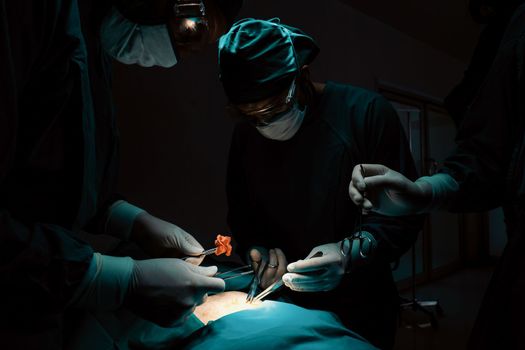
385 143
251 241
385 238
41 265
490 130
241 213
486 163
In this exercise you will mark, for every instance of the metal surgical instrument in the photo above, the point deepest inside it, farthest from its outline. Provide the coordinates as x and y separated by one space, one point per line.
275 286
256 279
234 273
358 237
204 253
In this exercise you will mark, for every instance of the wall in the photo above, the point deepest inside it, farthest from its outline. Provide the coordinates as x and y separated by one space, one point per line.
175 136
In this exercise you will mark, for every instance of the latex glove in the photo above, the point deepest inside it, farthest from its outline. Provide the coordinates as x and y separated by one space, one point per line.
317 274
166 291
388 192
159 239
275 267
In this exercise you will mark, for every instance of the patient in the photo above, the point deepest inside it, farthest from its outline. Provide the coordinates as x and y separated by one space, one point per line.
226 321
217 306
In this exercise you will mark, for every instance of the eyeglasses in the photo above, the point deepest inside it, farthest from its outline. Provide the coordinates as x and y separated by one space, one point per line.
271 113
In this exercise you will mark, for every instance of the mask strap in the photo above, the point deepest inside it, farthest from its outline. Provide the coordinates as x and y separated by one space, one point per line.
291 92
289 35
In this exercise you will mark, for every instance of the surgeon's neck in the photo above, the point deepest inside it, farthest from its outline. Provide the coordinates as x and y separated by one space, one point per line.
318 91
319 87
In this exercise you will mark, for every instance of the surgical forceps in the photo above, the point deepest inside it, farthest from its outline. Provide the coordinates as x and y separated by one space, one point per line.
275 286
204 253
234 273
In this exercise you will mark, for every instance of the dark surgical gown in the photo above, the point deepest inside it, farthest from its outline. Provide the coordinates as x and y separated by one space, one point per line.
294 195
459 99
489 167
57 151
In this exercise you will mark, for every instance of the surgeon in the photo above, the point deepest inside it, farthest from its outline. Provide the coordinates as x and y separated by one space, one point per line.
290 163
485 171
58 149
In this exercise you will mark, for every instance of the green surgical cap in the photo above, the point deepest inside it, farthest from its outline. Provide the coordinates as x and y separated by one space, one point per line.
259 59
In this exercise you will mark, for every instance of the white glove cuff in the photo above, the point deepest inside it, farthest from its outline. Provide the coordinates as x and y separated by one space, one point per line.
105 284
120 218
444 187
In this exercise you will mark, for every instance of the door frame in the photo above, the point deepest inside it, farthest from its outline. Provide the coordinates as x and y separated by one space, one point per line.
426 104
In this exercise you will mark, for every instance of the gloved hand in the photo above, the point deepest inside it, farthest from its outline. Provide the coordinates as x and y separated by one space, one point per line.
317 274
160 239
275 267
166 291
163 291
388 192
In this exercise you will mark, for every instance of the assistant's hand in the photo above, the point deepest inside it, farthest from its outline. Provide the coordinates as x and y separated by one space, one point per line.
387 192
275 267
317 274
159 239
166 291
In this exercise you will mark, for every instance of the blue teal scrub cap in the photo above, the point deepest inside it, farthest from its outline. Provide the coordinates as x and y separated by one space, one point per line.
260 58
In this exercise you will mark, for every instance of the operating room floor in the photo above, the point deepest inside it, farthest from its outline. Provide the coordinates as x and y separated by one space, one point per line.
460 295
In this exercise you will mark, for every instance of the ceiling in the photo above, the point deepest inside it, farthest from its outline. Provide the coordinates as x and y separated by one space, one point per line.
443 24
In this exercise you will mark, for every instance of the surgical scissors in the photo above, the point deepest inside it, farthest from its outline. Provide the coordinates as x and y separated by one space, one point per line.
256 279
364 241
358 236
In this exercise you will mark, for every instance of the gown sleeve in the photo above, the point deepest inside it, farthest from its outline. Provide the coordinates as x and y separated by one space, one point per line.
488 135
41 265
386 144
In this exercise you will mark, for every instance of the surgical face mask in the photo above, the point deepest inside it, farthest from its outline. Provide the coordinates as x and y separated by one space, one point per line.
286 126
133 43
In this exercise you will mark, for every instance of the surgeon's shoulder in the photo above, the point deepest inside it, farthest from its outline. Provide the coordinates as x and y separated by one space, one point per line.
368 106
380 107
379 114
357 98
382 117
515 32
